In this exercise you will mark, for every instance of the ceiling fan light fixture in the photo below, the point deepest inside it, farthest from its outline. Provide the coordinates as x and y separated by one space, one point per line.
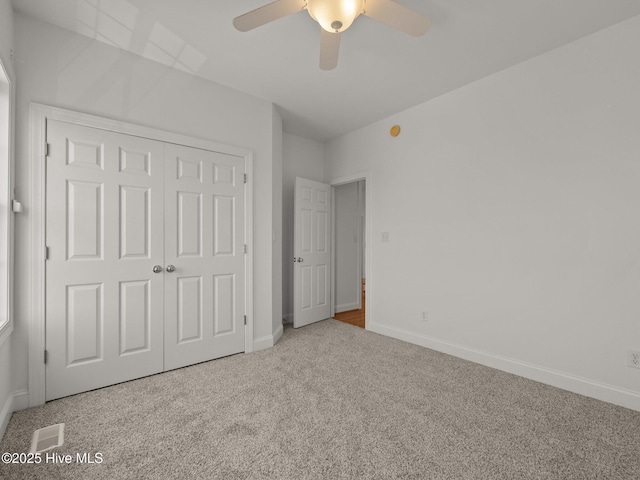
335 16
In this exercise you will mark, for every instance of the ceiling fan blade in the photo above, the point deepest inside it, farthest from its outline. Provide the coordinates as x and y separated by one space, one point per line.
268 13
329 49
397 16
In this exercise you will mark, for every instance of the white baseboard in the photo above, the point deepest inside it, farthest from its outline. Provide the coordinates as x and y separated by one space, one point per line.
278 334
16 401
347 306
288 318
262 343
268 341
20 400
5 414
565 381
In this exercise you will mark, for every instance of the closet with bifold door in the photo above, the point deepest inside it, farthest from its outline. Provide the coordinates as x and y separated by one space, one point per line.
146 263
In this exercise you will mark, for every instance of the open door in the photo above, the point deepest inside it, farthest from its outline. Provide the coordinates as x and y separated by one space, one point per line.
312 252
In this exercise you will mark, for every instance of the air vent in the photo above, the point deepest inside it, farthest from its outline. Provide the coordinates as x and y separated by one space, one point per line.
47 438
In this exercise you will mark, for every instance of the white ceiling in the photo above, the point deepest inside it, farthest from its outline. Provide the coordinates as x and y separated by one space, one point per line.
380 71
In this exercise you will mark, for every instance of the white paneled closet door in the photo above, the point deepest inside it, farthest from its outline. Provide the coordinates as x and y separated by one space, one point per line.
104 320
205 257
146 267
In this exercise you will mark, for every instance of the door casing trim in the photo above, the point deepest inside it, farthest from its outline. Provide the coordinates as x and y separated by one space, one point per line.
368 206
38 116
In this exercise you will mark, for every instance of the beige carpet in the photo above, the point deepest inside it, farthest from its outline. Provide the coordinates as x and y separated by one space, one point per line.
334 401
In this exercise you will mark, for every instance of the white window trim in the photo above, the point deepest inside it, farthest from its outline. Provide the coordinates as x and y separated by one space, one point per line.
37 129
7 327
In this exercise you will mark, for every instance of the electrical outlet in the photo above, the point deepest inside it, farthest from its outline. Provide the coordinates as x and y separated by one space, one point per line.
425 317
633 358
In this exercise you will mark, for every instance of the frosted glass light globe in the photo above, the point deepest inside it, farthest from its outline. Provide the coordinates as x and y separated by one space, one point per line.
335 15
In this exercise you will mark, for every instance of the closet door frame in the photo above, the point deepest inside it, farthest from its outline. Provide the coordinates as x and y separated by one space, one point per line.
39 114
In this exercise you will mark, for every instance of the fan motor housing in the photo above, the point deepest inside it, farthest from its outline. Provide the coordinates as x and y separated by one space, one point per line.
335 17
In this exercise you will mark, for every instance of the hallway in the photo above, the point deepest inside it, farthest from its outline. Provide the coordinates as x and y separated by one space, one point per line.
354 317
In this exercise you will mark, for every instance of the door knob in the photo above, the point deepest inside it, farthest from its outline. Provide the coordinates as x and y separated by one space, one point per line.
171 268
300 260
157 269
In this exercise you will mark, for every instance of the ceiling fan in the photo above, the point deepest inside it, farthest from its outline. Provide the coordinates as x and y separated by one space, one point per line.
334 17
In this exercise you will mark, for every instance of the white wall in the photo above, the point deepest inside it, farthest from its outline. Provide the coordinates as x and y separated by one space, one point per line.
6 31
348 241
362 206
276 246
6 383
512 207
60 68
301 158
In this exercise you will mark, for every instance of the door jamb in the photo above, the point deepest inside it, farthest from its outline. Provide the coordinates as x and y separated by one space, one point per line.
39 114
366 176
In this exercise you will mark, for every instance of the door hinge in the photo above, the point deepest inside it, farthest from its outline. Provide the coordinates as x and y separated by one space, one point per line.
245 319
245 248
46 356
47 149
245 178
16 206
46 253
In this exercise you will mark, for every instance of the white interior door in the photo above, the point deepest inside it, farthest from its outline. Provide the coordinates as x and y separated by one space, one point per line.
205 255
312 252
104 321
146 267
